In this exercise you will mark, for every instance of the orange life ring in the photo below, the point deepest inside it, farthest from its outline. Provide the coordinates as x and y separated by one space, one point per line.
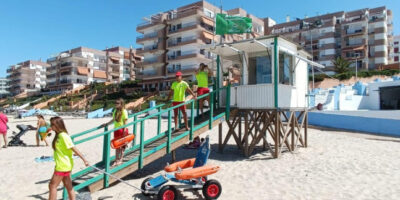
181 164
196 172
118 143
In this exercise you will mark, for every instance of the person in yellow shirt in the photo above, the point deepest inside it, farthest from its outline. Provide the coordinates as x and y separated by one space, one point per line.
178 89
63 148
120 117
202 75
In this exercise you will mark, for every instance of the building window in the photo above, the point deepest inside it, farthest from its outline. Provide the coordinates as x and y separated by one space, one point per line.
396 58
263 69
285 69
396 42
396 50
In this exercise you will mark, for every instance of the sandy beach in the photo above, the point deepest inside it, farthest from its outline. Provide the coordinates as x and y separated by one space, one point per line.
336 165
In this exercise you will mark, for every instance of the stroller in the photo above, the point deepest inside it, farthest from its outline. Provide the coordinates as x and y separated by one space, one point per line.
16 139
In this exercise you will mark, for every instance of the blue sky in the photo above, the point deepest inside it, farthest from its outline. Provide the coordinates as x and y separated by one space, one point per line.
34 29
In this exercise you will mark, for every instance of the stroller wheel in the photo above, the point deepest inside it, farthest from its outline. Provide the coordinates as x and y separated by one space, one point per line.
143 186
167 192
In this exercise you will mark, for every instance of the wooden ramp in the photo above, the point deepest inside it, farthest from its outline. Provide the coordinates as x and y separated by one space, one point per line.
152 151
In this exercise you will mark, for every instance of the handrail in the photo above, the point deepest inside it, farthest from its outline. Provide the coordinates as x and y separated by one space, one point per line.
141 146
129 116
140 120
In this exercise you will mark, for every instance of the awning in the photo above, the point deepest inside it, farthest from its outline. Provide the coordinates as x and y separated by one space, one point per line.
83 70
113 58
207 21
99 74
209 36
358 48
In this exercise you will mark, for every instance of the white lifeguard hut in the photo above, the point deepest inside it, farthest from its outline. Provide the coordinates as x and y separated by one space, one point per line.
272 94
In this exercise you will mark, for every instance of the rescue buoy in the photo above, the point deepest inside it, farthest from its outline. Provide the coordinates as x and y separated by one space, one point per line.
196 172
120 142
181 164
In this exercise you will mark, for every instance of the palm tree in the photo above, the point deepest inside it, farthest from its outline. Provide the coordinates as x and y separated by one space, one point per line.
341 65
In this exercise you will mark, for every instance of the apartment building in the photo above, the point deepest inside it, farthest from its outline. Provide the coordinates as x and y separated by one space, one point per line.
82 66
4 87
396 46
364 35
172 41
28 76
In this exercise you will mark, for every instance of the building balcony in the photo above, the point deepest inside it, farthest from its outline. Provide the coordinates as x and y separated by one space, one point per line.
142 38
151 49
65 81
188 55
152 61
359 19
185 13
148 24
348 33
149 75
186 70
51 76
185 41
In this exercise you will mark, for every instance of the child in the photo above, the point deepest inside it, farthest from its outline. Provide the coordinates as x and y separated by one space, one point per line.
178 89
63 148
202 75
120 116
43 130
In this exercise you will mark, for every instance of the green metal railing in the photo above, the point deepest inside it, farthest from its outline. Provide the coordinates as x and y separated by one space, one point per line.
106 134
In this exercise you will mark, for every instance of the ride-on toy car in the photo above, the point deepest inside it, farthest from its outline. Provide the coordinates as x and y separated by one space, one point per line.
190 173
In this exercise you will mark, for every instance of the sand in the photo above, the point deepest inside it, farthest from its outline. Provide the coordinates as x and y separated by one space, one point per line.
337 165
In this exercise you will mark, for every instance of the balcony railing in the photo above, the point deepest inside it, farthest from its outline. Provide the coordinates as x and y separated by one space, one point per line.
146 36
176 42
171 30
65 81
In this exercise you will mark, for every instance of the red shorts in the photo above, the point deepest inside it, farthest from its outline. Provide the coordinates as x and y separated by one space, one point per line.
120 133
182 108
202 90
62 173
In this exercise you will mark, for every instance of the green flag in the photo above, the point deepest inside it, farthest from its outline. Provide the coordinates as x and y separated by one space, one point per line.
233 24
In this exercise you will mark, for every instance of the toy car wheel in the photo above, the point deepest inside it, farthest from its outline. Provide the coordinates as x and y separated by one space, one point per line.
212 189
167 192
143 186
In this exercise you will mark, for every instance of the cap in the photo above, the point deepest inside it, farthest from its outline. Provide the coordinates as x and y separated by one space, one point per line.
178 74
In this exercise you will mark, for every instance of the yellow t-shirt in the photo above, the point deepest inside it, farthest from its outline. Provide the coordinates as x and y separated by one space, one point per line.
63 153
179 89
202 79
123 118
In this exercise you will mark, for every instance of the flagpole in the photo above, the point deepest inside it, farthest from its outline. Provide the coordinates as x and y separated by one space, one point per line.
219 63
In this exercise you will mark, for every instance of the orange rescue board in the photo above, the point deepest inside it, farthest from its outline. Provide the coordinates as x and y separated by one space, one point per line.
196 172
117 143
181 164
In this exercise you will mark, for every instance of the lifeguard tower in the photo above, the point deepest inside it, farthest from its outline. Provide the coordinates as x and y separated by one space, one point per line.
270 103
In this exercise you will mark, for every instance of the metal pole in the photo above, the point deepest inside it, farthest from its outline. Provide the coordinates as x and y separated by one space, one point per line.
356 67
312 59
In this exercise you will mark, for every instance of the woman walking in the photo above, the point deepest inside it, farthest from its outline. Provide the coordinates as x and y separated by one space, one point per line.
3 128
